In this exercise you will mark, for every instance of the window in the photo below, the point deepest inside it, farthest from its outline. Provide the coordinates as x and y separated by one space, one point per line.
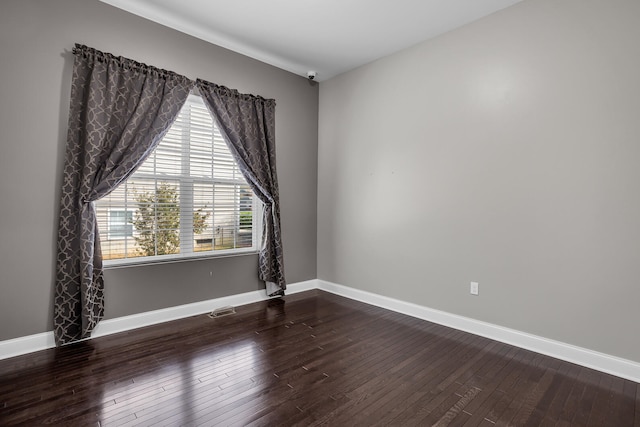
187 199
120 224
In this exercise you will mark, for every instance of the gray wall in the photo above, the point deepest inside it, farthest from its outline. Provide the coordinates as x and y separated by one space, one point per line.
35 73
505 152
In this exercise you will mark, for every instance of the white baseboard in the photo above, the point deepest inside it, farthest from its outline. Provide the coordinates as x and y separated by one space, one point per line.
591 359
45 340
127 323
23 345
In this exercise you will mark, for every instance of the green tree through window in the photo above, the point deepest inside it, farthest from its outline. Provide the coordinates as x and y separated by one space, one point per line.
157 221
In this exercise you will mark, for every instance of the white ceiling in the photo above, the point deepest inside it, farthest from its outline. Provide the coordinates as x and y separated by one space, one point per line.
327 36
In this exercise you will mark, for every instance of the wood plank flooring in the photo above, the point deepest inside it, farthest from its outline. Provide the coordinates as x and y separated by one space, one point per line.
309 359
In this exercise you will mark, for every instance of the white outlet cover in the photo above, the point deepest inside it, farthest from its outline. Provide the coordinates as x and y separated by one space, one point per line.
474 288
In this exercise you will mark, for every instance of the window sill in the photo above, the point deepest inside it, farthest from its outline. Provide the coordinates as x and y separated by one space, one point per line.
133 262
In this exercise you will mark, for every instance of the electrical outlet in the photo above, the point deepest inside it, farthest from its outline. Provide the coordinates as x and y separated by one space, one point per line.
474 288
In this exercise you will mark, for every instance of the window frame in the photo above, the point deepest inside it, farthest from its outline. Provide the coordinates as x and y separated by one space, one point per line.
186 237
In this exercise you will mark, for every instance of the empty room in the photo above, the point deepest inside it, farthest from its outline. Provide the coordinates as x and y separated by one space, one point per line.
304 212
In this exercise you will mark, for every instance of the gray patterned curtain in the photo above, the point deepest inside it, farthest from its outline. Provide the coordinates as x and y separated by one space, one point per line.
247 123
119 111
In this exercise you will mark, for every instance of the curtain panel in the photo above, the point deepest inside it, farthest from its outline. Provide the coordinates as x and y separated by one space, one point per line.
119 111
247 123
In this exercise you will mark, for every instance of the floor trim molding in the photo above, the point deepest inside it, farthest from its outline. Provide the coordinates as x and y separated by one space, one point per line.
581 356
42 341
28 344
592 359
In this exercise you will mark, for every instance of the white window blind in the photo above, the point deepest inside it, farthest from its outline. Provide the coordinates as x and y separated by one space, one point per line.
187 199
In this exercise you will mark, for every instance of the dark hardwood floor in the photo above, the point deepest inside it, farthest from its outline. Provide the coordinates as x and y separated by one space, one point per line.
309 359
